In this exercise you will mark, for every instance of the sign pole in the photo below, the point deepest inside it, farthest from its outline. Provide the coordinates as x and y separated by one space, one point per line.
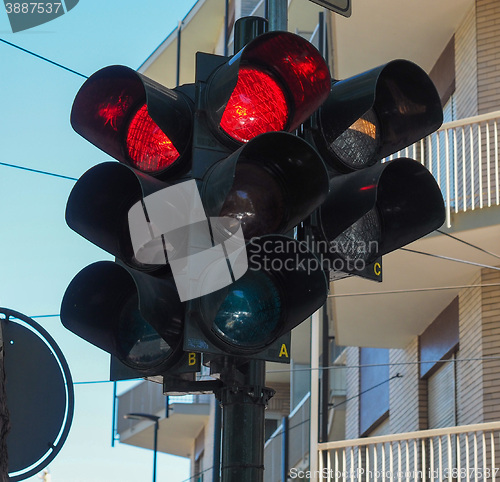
4 417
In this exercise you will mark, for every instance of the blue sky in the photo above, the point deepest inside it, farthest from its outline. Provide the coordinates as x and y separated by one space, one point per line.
39 254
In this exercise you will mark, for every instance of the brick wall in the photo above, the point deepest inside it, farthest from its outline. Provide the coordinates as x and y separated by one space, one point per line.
404 391
478 384
488 55
466 67
280 402
491 345
469 374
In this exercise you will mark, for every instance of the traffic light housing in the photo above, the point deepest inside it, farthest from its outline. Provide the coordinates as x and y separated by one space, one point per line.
374 114
254 185
123 113
372 207
239 258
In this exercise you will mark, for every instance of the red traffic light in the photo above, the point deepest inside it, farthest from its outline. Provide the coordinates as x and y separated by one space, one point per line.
136 120
257 105
149 149
275 83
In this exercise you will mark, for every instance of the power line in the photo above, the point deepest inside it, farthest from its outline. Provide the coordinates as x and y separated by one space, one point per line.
198 474
450 259
468 244
45 316
413 290
398 375
394 364
43 58
37 171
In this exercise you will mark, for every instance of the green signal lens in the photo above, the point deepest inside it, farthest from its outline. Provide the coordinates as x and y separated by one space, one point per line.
250 313
141 347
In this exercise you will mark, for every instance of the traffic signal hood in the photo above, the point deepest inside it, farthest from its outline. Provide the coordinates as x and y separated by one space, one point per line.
136 120
372 207
374 114
273 84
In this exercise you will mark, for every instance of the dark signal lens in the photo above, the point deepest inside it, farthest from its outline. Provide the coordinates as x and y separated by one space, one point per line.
251 311
256 200
141 347
149 149
257 105
361 241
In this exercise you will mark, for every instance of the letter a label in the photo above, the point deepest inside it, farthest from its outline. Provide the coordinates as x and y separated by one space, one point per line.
283 351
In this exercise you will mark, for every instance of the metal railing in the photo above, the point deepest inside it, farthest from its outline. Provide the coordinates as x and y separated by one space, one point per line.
467 453
148 397
463 156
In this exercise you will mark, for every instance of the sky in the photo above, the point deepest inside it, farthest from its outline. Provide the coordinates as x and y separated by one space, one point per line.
39 254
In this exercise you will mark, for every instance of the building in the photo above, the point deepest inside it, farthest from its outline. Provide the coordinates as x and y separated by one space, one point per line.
423 345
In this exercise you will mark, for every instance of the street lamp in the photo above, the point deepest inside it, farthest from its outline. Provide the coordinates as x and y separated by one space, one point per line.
153 418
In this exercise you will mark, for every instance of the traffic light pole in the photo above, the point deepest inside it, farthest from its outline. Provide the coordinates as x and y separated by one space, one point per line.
278 15
243 399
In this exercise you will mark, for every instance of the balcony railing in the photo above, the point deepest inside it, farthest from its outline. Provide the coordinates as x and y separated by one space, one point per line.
467 453
463 156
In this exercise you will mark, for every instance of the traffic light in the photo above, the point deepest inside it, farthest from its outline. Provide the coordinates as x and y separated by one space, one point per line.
136 120
224 225
196 211
374 208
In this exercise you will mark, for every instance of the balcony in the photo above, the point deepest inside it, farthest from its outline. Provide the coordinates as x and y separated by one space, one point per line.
463 157
466 453
187 416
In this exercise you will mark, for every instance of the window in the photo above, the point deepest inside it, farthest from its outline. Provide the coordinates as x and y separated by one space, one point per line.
373 388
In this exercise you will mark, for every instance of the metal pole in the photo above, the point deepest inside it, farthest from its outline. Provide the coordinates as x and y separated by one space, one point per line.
313 439
113 423
155 449
243 435
284 449
325 389
226 27
217 441
278 15
178 73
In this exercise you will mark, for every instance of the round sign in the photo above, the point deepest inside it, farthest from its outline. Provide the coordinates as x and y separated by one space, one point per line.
39 391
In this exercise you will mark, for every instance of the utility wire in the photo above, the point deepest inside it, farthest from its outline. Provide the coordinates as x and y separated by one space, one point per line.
420 362
197 475
450 259
45 316
43 58
468 244
37 171
398 375
413 290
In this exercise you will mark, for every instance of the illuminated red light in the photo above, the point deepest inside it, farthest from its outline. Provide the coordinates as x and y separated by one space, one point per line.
257 105
150 150
114 110
368 188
